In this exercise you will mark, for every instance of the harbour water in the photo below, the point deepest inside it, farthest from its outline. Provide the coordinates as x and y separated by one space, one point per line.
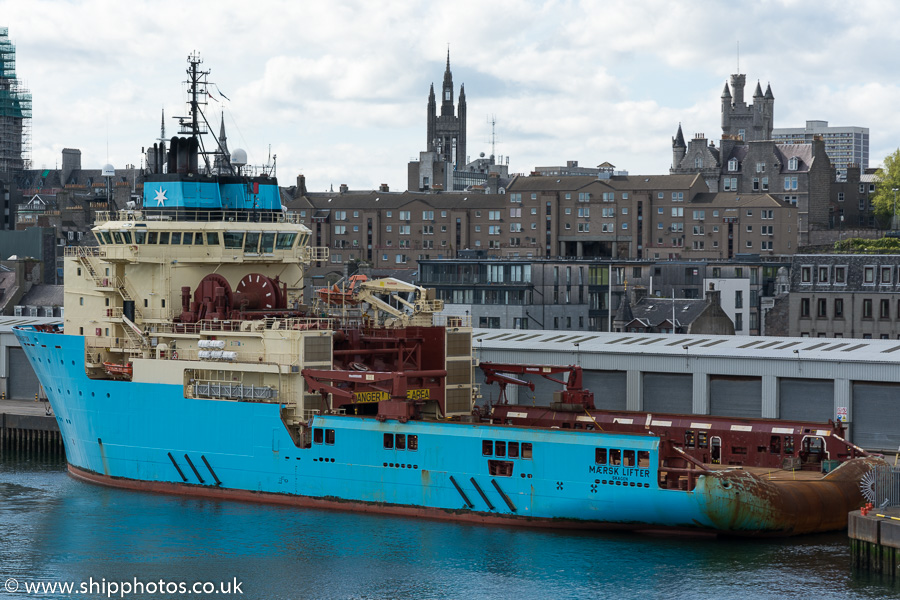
58 530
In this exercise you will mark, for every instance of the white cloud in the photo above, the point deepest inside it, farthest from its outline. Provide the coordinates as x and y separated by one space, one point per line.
339 89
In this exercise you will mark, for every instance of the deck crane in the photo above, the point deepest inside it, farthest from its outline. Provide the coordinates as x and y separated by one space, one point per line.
573 398
408 312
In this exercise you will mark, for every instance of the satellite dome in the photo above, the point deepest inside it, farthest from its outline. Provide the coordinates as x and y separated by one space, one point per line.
239 157
108 171
481 155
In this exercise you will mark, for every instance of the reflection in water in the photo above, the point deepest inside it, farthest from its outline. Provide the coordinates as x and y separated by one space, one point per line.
54 528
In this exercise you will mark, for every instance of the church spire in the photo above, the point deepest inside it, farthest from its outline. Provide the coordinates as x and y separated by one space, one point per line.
447 94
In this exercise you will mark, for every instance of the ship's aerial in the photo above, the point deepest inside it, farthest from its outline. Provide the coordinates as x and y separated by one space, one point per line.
194 360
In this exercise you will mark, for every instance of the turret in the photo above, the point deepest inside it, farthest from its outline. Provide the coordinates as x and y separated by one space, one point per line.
461 143
737 87
679 148
758 94
432 117
726 105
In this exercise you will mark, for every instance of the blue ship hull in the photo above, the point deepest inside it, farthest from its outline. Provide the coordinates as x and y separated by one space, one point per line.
150 436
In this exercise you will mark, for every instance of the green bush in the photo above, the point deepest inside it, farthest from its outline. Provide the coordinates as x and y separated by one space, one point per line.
868 246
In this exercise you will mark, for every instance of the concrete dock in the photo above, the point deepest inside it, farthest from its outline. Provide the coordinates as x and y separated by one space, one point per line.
26 427
875 541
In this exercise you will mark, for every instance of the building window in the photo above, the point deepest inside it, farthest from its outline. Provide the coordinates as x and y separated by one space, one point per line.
739 299
739 321
867 308
792 164
838 308
804 307
760 167
884 309
886 275
822 309
823 274
840 275
869 276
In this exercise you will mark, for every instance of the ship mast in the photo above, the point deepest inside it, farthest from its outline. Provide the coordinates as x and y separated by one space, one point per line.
196 124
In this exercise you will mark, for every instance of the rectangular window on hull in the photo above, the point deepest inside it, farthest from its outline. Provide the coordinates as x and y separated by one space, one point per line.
526 450
500 448
317 436
389 440
600 456
487 448
329 436
500 468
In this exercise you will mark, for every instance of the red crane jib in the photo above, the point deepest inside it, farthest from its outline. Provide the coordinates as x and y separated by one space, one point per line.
501 374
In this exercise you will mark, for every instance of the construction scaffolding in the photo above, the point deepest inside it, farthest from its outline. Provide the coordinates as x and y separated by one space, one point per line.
15 113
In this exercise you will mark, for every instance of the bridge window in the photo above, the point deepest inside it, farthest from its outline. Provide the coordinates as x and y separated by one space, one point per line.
176 237
400 441
212 238
117 237
152 237
317 436
329 436
513 449
628 458
500 448
389 440
140 237
234 239
267 242
284 241
600 456
198 239
164 237
251 242
412 442
487 448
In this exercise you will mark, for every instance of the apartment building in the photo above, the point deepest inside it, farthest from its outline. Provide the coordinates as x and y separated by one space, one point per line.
847 147
843 295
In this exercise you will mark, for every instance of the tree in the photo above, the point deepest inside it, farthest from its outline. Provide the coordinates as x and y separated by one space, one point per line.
887 179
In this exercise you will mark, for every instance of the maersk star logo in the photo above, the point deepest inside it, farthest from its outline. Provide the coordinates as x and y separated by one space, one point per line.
160 197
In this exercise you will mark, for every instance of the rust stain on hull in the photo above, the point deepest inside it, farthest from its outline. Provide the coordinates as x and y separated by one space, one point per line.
741 502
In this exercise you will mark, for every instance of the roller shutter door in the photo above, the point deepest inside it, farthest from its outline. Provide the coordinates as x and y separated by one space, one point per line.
875 421
735 396
806 399
22 382
668 393
609 387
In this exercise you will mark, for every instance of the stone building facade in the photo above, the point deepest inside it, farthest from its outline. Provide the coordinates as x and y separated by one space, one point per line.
843 295
749 161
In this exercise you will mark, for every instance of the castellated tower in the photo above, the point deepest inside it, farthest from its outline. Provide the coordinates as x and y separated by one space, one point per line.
740 121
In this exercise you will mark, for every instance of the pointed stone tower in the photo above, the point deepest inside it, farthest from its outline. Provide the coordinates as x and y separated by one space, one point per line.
222 159
447 131
679 148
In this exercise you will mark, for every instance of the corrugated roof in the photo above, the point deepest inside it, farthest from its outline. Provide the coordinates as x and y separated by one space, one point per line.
830 349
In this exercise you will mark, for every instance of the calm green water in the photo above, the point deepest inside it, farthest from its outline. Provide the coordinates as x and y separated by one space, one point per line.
56 529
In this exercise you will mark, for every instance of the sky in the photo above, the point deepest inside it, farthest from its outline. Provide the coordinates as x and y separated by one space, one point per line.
338 90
